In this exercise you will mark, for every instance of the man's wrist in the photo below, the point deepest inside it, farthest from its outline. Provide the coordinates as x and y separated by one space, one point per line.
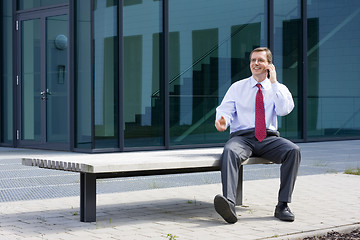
273 81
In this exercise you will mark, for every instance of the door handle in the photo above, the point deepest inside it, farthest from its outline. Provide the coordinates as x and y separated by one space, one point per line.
44 94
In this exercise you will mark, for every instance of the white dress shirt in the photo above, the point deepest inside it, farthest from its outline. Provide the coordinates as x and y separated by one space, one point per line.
238 105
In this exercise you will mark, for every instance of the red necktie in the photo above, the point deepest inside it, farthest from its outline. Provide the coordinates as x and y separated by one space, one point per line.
260 127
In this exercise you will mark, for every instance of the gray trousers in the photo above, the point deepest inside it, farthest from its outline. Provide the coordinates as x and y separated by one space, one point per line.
243 144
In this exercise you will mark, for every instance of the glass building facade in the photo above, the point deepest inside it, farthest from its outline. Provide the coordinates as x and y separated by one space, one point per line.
127 75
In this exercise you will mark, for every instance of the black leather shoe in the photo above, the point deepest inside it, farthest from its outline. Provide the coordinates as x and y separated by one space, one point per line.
225 208
284 213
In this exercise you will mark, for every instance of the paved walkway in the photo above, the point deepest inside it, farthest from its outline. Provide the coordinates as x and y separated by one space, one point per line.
321 203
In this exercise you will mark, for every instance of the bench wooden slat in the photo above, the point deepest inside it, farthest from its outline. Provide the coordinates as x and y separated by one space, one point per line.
105 165
116 162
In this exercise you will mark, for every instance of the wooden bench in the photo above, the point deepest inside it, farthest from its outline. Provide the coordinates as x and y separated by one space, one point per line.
128 164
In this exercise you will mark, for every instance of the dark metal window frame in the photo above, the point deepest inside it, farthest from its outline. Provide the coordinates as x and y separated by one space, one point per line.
13 141
1 73
303 71
92 75
121 75
72 74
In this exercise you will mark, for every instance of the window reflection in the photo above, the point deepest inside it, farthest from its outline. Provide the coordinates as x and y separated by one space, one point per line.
208 51
106 74
143 92
333 72
28 4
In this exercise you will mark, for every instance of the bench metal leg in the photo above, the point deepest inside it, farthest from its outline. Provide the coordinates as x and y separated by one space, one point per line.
87 197
239 190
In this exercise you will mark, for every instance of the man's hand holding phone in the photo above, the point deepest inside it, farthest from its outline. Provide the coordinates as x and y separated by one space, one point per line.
272 73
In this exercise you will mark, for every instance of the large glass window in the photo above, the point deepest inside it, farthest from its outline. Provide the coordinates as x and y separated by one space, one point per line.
6 101
143 95
106 74
333 68
209 46
83 74
286 55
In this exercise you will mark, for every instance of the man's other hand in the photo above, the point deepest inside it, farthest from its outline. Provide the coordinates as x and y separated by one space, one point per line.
220 124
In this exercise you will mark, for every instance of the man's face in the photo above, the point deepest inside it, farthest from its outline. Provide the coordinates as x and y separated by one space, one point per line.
258 63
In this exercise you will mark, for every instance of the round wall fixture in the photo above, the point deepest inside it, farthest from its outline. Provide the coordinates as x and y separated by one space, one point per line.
61 42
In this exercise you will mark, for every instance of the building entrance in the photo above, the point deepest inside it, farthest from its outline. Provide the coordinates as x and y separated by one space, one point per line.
42 78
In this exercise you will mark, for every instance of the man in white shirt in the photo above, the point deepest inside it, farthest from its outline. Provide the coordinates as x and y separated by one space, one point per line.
237 110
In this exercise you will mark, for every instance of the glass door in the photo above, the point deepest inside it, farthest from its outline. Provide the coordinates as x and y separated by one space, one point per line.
55 96
30 80
43 79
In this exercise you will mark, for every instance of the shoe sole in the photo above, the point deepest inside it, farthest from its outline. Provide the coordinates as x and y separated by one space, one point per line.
287 219
222 207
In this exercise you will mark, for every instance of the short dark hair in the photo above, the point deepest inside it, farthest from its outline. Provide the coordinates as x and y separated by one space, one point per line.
263 49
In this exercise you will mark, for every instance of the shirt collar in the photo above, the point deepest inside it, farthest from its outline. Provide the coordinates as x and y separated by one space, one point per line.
265 84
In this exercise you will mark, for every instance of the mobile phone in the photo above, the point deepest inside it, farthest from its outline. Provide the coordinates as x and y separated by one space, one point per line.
268 73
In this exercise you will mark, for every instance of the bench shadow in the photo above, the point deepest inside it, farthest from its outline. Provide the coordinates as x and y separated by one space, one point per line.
196 214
